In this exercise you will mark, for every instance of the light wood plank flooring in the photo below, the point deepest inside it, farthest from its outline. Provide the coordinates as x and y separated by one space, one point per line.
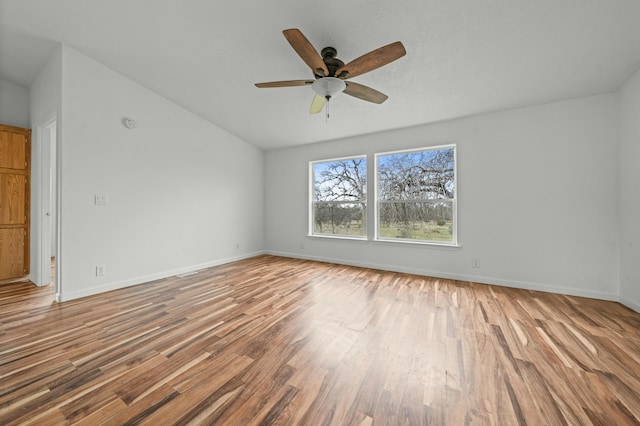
271 340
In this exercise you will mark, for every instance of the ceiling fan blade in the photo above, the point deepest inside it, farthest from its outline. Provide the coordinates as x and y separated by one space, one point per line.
372 60
307 52
288 83
317 104
365 93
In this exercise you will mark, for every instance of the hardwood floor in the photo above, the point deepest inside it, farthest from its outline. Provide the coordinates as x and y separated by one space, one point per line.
271 340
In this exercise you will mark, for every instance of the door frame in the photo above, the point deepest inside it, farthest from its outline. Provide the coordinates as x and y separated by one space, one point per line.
44 238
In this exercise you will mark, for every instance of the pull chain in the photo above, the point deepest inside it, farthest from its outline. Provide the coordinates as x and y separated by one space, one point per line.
326 118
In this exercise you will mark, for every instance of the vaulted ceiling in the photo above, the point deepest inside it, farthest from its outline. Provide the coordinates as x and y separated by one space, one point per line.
463 57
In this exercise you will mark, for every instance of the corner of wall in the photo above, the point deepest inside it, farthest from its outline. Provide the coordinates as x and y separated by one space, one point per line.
628 199
631 304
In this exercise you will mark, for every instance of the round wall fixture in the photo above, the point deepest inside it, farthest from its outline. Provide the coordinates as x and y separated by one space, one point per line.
129 123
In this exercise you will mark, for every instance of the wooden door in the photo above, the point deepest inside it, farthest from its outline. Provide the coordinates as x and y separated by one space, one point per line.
15 176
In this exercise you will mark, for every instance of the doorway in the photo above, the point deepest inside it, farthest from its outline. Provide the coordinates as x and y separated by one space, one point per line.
49 258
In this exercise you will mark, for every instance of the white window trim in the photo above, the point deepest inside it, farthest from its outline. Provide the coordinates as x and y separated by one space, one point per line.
311 182
454 200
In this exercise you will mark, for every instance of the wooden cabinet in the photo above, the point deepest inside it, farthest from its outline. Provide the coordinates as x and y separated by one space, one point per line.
15 176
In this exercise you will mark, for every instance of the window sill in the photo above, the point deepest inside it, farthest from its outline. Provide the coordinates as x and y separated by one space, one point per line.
418 243
383 241
338 237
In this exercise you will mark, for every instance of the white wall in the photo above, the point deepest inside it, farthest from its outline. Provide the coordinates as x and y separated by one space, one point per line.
45 101
537 190
629 193
182 192
14 104
537 199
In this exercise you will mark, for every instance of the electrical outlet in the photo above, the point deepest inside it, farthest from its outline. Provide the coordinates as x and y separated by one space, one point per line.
301 246
237 246
100 270
101 200
475 262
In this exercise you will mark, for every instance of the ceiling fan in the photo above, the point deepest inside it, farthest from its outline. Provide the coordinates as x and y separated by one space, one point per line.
331 73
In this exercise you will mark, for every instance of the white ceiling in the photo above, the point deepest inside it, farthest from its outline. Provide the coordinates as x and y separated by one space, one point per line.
463 57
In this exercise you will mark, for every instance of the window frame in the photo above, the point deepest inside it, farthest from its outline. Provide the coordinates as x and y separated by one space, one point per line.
454 200
311 201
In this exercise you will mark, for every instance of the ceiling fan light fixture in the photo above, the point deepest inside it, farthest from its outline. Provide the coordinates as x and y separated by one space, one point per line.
328 86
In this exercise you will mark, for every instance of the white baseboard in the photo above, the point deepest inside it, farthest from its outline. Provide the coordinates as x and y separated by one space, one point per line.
460 277
66 296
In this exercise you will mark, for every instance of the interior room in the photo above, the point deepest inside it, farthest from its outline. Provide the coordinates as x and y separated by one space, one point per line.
176 267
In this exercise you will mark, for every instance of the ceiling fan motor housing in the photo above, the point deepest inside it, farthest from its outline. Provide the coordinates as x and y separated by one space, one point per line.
330 60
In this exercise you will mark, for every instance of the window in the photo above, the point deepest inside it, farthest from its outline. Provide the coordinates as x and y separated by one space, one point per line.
416 195
339 200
